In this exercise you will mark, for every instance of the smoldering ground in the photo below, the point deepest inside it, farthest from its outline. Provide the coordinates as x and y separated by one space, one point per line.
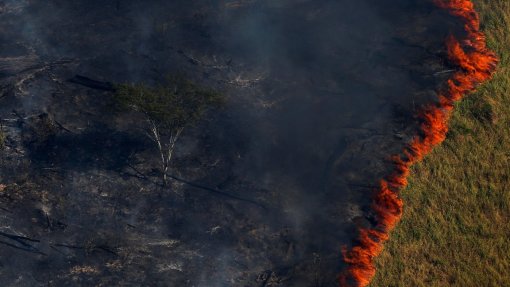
319 94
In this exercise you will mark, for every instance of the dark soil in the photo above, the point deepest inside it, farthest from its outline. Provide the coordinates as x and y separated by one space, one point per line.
265 190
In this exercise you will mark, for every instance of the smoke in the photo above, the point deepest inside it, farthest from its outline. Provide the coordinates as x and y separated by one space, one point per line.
319 93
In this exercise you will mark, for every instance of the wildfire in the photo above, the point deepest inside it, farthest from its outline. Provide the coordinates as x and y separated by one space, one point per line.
476 64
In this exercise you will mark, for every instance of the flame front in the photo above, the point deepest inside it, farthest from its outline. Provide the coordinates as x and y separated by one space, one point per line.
476 64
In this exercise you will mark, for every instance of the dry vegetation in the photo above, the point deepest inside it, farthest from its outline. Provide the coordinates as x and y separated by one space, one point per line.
456 225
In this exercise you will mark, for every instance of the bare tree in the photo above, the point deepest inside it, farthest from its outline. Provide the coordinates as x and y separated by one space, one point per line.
168 109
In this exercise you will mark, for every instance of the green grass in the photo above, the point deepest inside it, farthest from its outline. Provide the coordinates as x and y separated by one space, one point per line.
455 230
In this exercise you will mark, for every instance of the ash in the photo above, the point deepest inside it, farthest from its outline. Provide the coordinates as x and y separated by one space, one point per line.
319 94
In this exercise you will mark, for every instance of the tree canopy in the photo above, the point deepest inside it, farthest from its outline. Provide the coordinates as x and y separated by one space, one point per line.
176 103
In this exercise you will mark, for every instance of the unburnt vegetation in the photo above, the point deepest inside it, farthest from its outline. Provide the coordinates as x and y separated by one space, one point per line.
455 229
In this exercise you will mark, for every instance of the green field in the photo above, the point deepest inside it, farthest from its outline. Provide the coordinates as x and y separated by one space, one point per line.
455 230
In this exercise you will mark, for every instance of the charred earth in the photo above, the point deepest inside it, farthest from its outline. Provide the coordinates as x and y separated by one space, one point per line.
264 191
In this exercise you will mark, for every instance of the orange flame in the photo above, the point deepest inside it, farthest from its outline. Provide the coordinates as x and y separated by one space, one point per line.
476 64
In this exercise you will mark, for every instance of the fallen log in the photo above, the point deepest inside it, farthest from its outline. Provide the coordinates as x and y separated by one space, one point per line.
93 84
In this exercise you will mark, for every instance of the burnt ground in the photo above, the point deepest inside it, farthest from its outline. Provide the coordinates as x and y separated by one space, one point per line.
319 94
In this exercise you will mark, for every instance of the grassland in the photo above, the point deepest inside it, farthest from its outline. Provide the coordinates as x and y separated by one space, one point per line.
455 230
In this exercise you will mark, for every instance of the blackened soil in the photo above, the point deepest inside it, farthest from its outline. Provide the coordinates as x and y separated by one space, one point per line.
264 192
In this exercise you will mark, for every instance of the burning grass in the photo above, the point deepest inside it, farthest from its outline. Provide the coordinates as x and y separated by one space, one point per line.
455 227
475 64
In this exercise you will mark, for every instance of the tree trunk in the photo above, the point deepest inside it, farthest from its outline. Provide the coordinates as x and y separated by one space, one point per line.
165 176
170 151
162 147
